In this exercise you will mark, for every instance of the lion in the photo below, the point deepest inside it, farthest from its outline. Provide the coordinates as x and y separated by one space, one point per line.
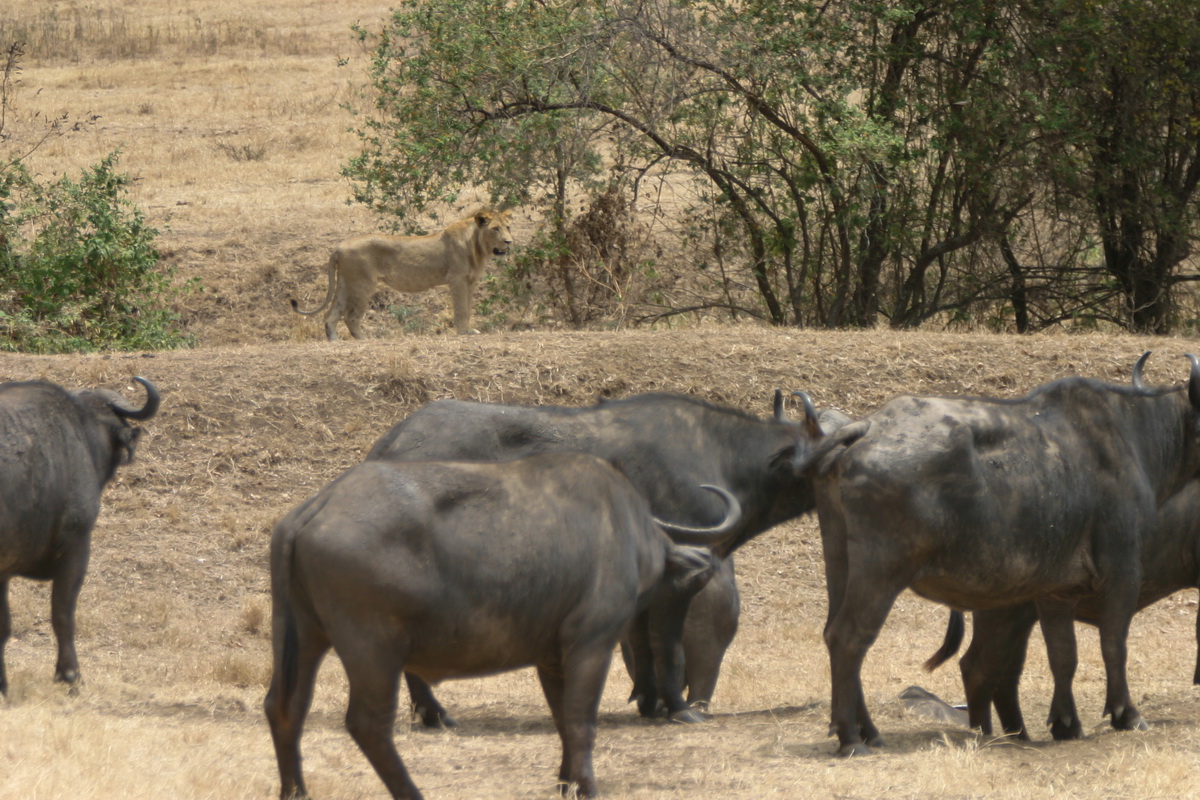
456 256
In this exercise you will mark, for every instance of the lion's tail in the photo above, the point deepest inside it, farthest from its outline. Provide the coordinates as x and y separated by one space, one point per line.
331 271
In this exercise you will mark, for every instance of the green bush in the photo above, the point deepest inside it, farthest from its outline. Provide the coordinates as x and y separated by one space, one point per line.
78 267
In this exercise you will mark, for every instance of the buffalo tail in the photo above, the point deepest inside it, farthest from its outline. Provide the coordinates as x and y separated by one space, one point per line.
955 629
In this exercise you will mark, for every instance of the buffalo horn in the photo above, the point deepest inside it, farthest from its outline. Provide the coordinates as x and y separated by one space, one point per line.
686 534
810 411
1138 382
779 405
145 412
811 422
1194 381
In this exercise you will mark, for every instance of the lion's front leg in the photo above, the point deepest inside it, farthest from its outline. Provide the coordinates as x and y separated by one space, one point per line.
462 293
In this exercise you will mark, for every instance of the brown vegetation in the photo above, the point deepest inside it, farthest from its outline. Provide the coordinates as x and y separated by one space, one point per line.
174 640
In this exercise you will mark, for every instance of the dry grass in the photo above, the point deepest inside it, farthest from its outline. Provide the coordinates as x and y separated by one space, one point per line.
173 641
173 638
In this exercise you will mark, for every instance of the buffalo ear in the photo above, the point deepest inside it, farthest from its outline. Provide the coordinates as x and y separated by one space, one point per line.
128 441
842 437
784 459
690 567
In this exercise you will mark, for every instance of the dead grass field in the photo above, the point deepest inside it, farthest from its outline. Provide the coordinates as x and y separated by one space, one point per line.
173 619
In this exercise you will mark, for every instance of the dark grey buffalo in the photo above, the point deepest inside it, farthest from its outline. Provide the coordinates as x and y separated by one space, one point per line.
983 504
58 449
669 445
992 665
459 569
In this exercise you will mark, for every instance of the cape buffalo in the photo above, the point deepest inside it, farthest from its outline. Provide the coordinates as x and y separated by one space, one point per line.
983 504
59 450
459 569
992 665
668 445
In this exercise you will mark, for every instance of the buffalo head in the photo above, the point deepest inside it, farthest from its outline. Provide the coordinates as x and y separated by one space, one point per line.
111 416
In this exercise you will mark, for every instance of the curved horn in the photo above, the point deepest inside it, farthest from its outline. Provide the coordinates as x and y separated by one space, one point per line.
810 411
1194 381
811 423
778 405
145 412
686 534
1138 382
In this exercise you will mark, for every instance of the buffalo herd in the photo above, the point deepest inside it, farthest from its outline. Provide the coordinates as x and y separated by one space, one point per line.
477 538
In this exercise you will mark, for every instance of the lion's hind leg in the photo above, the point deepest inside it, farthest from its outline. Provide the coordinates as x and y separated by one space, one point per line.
336 309
356 304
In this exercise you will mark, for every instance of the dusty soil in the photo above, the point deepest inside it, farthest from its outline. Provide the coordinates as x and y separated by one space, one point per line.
174 642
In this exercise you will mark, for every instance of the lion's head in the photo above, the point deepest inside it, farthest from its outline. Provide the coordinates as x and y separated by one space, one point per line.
494 233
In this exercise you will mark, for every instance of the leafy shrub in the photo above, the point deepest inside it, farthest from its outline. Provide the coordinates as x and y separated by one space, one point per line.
78 267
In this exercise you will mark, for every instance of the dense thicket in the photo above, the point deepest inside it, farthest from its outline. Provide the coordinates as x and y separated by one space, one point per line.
852 162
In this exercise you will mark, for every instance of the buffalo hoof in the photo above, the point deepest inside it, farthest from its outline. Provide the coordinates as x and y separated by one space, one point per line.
854 749
650 709
687 715
572 789
1131 722
1066 730
435 719
67 676
443 722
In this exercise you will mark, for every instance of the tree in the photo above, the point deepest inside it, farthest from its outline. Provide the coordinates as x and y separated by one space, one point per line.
1120 86
854 161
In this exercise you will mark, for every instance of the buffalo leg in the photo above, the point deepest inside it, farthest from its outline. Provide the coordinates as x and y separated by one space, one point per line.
1196 675
573 691
5 631
550 676
837 566
1114 634
848 636
992 666
374 677
426 706
711 624
850 629
1058 629
636 652
668 610
64 596
287 702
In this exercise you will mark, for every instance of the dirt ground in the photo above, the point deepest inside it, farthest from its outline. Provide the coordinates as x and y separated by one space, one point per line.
174 638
